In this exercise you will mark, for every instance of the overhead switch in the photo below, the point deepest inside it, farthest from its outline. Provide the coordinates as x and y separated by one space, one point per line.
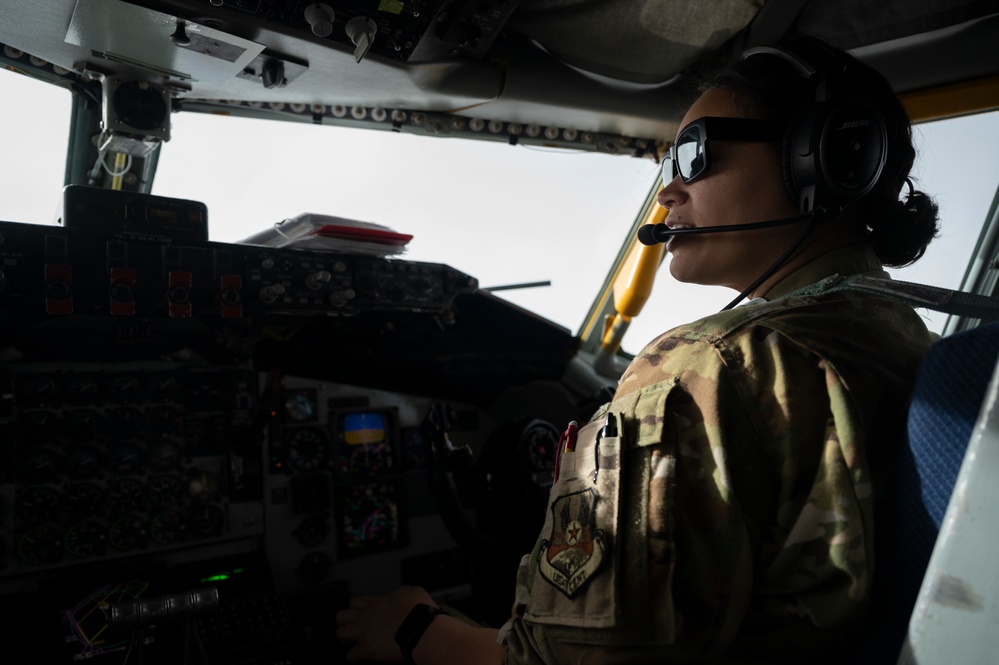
320 16
361 31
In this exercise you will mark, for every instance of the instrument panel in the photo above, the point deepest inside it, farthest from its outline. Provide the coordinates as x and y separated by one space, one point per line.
176 413
107 460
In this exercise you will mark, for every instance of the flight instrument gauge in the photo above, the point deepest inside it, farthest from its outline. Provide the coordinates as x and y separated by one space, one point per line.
307 448
40 391
38 465
40 545
36 504
83 498
82 424
123 458
42 426
125 421
83 389
169 527
85 538
163 455
300 405
164 419
312 530
83 461
162 387
124 388
164 490
125 494
127 533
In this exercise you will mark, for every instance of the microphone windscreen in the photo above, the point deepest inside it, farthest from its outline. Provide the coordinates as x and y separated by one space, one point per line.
647 235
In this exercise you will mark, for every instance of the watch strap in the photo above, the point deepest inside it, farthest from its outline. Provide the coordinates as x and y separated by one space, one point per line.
411 630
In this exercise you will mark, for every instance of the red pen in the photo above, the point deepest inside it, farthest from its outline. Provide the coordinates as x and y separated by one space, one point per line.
566 442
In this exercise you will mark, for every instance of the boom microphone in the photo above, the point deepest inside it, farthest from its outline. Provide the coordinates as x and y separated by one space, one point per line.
651 234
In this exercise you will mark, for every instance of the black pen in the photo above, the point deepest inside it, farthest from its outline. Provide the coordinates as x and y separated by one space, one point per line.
609 429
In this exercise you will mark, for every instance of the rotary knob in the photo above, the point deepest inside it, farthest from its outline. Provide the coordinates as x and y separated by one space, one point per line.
320 17
269 294
316 280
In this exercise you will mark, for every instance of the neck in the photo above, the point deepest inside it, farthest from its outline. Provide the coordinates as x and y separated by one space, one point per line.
826 238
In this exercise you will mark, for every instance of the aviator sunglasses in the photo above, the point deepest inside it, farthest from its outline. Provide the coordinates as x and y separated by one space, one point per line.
689 157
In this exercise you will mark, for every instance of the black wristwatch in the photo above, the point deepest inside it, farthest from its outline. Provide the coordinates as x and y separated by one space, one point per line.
412 628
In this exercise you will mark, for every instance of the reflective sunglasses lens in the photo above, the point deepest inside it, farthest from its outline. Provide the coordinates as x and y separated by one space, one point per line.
690 154
669 168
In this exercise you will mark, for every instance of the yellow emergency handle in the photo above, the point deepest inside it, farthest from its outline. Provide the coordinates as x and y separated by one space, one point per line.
634 284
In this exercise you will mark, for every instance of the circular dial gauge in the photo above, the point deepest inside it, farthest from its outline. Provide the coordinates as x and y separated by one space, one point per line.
539 443
83 389
123 458
301 406
307 448
40 545
169 527
36 504
82 424
83 461
164 490
125 494
124 388
164 419
42 425
314 567
312 531
125 422
127 533
163 387
83 498
38 465
40 390
163 455
85 539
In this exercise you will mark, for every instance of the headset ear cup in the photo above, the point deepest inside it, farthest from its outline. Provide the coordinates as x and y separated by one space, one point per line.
787 161
802 171
854 148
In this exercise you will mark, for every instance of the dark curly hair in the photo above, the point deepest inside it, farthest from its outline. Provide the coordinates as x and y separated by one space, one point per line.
900 220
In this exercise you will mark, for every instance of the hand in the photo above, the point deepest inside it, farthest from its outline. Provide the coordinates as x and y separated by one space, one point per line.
371 621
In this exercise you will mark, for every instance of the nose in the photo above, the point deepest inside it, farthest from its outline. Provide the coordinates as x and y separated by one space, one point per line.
673 194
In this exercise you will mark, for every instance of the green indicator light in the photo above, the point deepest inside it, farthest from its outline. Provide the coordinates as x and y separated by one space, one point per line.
215 578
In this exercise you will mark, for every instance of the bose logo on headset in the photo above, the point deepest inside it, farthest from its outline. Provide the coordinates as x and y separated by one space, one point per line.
835 149
855 123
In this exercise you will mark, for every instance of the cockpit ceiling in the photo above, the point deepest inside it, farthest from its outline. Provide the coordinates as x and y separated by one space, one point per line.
605 69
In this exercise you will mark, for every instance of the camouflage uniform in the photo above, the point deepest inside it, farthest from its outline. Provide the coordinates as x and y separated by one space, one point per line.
732 517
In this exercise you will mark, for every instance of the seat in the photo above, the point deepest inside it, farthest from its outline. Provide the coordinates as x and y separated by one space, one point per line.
952 383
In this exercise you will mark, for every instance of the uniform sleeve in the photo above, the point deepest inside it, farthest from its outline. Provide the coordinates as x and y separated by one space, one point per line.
738 514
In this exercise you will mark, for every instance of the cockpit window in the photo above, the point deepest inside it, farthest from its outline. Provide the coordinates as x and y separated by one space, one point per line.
508 215
504 214
34 133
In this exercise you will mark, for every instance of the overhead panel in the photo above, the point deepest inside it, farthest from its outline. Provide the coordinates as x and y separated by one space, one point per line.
201 53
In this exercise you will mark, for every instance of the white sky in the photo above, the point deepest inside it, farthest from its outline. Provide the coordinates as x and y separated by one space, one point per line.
502 214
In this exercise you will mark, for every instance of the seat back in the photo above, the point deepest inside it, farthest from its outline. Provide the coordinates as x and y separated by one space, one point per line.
951 386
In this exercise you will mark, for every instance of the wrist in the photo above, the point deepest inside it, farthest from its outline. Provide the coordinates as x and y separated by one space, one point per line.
412 628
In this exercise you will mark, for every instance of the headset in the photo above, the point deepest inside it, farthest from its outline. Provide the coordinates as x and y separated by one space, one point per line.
835 150
832 154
